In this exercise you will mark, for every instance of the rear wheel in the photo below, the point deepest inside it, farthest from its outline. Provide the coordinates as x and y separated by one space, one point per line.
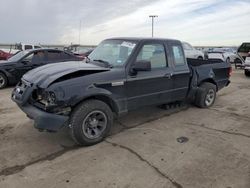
90 122
206 95
3 81
200 58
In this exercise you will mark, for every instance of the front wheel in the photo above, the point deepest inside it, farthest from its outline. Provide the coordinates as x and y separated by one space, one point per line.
206 95
90 122
3 81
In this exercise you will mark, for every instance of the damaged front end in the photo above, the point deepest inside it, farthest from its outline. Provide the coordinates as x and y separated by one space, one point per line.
40 106
49 101
47 94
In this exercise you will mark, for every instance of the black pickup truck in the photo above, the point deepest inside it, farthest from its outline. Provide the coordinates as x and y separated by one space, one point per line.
120 75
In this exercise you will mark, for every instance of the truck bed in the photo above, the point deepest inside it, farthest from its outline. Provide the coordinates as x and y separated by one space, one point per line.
213 70
198 62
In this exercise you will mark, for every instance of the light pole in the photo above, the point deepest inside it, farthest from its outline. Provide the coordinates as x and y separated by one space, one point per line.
153 17
80 26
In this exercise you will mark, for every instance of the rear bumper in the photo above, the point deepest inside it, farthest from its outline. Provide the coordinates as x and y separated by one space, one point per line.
44 120
228 82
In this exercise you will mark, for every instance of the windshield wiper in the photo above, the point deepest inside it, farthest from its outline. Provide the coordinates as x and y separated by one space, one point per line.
105 62
87 59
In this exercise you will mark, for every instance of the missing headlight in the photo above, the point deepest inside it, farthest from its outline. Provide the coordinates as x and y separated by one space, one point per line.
47 98
51 97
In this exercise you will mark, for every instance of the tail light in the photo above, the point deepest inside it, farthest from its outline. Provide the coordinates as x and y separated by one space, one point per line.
230 71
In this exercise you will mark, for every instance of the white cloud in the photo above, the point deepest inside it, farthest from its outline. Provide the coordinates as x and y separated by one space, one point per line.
221 23
200 22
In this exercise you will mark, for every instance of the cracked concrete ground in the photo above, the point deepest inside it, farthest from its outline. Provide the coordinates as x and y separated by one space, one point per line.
142 150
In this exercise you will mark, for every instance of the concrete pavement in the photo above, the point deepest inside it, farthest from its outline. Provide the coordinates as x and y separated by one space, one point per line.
142 150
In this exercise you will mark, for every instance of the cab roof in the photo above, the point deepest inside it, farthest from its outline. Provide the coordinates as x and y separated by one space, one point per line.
139 39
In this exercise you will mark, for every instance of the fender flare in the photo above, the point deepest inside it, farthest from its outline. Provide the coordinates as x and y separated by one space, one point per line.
99 94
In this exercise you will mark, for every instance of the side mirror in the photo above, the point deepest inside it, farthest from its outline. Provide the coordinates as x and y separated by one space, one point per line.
142 65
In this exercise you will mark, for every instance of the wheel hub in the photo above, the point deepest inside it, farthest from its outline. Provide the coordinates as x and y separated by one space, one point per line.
210 97
94 124
2 81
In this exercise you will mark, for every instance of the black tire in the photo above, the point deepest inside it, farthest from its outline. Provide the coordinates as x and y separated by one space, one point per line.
237 63
247 73
200 58
3 81
205 95
81 128
228 60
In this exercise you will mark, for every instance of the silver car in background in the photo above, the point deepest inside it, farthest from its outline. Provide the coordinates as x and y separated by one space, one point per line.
191 52
228 54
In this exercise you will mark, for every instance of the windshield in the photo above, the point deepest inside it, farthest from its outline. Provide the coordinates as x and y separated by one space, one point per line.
18 56
115 52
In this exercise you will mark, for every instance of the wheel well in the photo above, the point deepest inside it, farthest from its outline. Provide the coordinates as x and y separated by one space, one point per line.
209 81
104 99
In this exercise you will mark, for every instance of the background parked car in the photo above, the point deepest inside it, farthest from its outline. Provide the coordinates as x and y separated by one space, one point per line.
244 50
226 54
243 53
15 67
83 53
21 46
216 55
191 52
4 55
79 51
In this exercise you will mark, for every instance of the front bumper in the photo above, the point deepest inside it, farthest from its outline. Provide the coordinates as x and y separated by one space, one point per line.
44 120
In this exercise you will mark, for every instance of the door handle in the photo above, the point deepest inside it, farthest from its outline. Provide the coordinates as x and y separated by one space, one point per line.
168 75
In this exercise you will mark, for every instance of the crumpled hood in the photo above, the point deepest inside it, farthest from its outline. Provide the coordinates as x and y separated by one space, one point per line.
45 75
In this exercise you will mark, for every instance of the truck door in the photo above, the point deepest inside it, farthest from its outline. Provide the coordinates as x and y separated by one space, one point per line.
150 87
181 71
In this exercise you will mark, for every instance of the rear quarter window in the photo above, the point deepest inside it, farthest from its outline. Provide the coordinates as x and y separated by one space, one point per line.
155 53
179 58
54 55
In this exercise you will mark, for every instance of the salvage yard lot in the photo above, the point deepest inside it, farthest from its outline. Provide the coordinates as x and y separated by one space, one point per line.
142 150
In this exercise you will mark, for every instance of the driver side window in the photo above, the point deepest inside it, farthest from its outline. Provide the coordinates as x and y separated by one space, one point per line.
28 58
155 53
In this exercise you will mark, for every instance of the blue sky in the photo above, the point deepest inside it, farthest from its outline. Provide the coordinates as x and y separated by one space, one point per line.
200 22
